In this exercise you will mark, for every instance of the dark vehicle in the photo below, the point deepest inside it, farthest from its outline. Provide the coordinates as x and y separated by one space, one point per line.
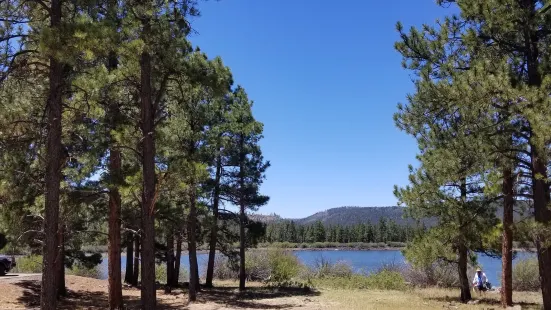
6 264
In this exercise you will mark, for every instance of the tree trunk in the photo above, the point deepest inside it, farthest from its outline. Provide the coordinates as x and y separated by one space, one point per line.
129 273
542 216
169 261
214 224
462 270
462 253
136 270
114 251
540 187
192 246
48 293
115 163
177 259
242 274
148 292
60 262
507 246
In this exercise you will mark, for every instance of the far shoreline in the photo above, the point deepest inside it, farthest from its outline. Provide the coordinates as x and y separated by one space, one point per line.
352 249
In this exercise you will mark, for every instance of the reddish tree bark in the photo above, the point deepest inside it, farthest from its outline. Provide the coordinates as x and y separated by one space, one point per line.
169 261
177 259
507 246
214 224
136 270
148 292
48 293
114 250
115 174
129 272
242 273
462 270
542 215
60 263
192 247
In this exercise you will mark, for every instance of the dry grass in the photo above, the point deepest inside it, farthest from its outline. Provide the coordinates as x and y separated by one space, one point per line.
92 294
431 298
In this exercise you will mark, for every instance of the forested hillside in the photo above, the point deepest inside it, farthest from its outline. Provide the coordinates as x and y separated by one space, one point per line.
352 216
348 216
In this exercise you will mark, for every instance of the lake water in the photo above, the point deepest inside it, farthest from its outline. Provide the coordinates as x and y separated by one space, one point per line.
359 260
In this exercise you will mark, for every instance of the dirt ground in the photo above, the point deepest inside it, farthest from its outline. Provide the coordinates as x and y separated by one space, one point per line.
86 293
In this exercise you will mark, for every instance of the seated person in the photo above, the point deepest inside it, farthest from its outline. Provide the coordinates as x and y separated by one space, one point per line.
480 281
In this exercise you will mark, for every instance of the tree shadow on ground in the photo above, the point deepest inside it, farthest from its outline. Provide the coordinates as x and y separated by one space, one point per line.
80 299
483 301
252 298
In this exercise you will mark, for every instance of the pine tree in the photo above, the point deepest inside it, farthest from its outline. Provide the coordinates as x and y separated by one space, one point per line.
450 183
195 106
218 142
250 167
496 48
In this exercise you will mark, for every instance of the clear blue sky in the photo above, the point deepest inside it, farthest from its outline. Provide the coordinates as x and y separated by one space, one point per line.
325 79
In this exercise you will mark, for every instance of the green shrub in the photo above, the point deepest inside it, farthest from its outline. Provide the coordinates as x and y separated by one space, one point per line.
323 269
82 271
397 244
223 270
160 273
257 265
440 274
526 275
275 265
284 245
341 275
384 280
28 264
283 264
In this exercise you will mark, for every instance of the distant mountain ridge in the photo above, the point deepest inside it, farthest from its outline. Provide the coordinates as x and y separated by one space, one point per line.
349 216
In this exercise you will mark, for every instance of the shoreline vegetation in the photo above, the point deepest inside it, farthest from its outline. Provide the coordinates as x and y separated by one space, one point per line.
278 270
316 246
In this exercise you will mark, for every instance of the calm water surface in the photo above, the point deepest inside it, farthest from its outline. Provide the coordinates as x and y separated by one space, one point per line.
361 261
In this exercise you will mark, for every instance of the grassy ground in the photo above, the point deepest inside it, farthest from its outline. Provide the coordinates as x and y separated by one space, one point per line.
418 299
85 293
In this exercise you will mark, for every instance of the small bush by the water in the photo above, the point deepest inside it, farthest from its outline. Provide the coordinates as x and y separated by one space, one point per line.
391 266
28 264
387 280
33 264
323 268
275 265
526 275
341 275
160 274
284 266
257 265
82 271
440 274
223 270
384 280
